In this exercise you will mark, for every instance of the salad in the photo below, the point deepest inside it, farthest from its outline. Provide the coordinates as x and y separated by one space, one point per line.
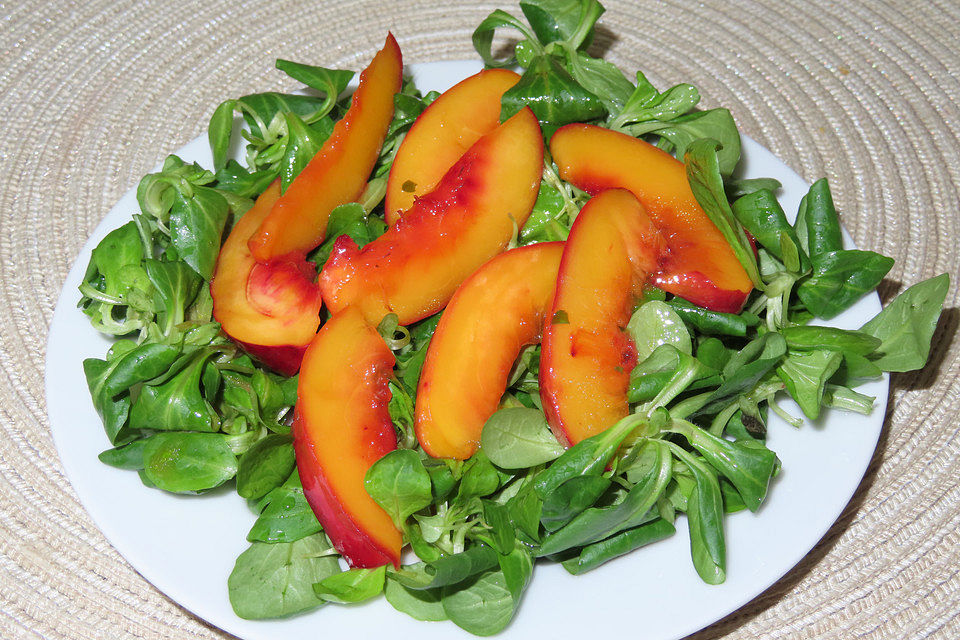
532 317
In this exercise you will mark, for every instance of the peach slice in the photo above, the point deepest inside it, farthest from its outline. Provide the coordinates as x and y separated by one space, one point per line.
414 268
443 133
586 358
699 265
272 310
338 173
495 313
341 427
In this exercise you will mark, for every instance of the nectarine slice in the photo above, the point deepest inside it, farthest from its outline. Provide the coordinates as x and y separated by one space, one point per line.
586 357
699 266
413 269
272 310
496 312
443 133
338 173
341 427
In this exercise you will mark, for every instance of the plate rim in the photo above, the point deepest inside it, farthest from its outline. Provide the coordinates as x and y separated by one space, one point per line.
66 304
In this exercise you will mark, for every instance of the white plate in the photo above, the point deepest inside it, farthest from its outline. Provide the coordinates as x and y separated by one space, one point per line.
186 546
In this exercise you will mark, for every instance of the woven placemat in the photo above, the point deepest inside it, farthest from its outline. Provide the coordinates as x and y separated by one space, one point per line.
93 94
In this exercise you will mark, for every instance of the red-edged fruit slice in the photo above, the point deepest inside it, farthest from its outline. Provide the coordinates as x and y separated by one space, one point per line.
413 269
586 357
338 173
442 133
341 427
699 264
272 310
492 316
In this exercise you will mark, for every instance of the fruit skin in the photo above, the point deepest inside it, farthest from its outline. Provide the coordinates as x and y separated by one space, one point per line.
472 351
442 133
341 427
586 357
271 310
700 265
414 268
338 173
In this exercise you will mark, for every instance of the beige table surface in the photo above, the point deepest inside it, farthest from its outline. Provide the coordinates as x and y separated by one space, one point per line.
93 94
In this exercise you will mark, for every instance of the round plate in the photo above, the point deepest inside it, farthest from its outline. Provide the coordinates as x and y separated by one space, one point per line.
186 545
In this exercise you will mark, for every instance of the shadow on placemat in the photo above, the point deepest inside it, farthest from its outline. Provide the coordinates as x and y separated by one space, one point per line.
943 338
789 582
940 345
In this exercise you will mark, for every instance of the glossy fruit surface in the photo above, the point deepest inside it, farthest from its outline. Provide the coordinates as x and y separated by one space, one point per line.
338 173
341 427
273 309
699 264
473 350
414 268
586 357
442 133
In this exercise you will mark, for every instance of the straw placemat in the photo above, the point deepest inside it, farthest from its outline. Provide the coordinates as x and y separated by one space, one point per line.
93 94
